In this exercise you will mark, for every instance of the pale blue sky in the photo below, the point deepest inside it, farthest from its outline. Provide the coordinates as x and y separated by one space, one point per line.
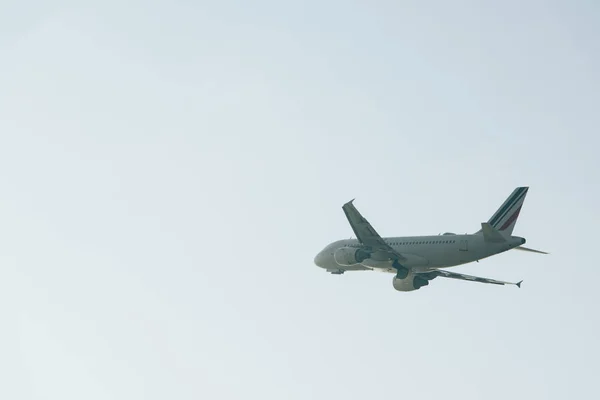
170 169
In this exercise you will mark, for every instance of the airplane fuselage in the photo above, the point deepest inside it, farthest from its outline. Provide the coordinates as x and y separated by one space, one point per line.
421 253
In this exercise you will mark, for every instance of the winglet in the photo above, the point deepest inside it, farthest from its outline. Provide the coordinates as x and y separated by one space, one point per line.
519 284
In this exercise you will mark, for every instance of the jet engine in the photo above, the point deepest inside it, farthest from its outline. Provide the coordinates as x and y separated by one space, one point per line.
410 283
348 256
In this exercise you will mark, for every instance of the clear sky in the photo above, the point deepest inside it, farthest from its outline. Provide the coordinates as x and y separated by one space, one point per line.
171 168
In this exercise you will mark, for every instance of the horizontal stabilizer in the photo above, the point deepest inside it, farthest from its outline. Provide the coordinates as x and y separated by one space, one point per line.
490 234
531 250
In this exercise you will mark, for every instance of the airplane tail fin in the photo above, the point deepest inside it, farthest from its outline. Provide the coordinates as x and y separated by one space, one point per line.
505 218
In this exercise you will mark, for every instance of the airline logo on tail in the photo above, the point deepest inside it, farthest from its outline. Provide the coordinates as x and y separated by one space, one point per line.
505 218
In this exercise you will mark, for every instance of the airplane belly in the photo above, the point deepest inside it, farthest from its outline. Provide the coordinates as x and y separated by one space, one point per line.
448 258
411 261
377 265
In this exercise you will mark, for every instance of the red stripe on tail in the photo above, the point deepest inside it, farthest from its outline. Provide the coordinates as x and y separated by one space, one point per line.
511 219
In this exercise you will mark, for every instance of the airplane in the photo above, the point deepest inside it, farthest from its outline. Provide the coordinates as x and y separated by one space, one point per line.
416 260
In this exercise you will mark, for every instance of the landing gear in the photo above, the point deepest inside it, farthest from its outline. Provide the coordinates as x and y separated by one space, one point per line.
402 272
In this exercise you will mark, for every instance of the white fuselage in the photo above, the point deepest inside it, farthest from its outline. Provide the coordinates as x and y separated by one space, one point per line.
421 252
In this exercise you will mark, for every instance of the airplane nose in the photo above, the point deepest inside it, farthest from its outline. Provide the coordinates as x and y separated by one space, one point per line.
318 259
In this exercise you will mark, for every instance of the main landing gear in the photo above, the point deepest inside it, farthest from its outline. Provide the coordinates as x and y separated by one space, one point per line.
402 271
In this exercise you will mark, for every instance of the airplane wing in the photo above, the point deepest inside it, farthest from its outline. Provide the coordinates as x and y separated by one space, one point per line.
365 233
454 275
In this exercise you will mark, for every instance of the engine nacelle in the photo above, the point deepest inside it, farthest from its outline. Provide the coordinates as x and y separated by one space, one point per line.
410 283
349 256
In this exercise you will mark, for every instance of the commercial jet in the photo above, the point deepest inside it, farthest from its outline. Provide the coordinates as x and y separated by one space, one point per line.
416 260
